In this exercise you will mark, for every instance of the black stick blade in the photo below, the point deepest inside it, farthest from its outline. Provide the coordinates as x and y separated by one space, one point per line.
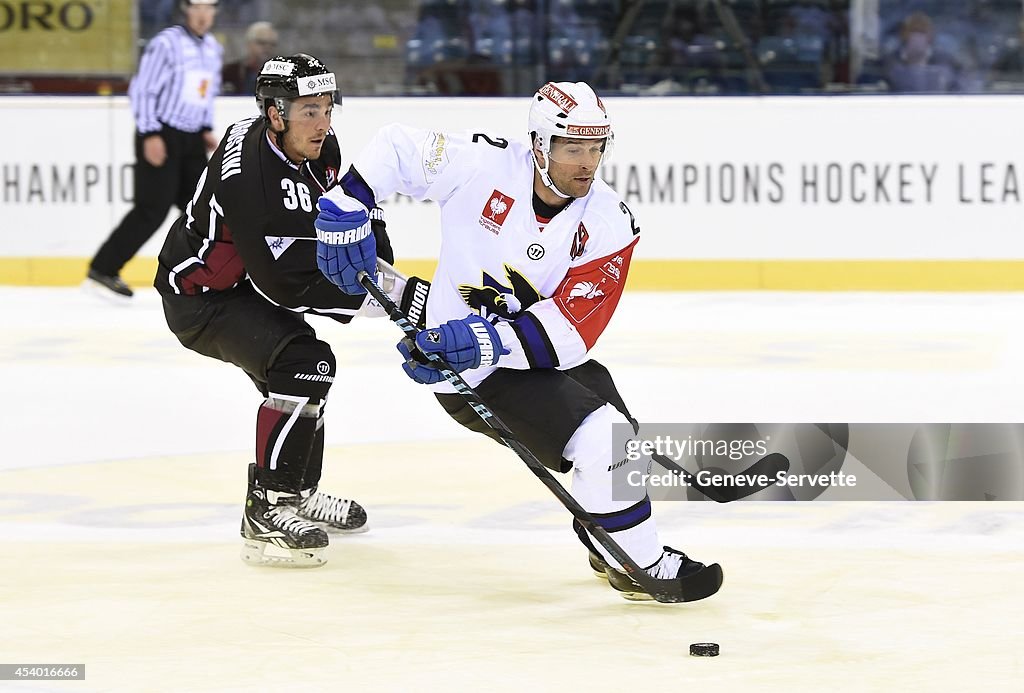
701 585
768 466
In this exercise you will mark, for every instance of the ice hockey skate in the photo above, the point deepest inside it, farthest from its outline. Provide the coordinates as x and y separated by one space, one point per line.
274 535
699 581
335 515
598 565
108 287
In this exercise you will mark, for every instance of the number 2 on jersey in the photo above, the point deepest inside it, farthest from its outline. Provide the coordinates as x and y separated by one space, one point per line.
500 143
296 194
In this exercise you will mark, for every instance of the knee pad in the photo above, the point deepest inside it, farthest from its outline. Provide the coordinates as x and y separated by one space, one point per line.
306 407
304 368
591 444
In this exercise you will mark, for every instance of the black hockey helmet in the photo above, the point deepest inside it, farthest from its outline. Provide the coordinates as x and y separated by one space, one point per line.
284 78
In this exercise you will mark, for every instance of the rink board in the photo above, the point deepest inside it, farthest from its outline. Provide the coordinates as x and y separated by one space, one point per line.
740 193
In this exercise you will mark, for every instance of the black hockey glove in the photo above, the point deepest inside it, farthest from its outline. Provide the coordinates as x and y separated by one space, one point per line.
380 234
414 301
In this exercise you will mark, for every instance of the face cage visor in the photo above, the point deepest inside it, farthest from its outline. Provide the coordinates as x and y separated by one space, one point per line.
581 152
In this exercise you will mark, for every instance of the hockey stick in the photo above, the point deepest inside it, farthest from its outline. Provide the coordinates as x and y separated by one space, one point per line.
702 584
768 467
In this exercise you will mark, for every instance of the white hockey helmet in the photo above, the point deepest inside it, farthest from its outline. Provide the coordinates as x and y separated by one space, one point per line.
571 110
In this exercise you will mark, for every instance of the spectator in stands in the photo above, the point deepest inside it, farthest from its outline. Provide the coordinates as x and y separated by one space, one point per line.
916 66
1009 66
239 77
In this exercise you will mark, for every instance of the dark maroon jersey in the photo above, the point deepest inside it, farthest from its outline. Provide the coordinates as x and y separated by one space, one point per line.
251 219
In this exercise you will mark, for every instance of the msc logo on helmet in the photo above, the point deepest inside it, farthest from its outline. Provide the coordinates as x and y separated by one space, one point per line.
277 67
317 84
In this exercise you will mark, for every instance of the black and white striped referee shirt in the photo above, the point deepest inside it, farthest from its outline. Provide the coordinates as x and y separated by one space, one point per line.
177 81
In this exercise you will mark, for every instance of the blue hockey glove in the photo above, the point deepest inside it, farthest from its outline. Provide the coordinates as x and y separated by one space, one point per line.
467 343
345 244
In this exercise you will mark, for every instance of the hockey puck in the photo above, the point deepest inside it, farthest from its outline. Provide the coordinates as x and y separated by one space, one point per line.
704 649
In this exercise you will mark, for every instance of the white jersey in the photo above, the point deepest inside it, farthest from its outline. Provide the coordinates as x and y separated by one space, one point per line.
550 285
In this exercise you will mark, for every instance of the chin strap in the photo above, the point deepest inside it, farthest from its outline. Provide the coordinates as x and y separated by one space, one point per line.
278 140
545 178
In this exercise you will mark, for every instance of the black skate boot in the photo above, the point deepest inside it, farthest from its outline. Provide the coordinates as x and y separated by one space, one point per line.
110 287
336 515
273 534
699 581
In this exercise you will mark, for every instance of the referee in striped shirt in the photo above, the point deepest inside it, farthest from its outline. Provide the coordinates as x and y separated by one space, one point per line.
172 100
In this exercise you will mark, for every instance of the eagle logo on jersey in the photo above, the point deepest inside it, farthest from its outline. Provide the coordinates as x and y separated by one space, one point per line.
493 298
495 211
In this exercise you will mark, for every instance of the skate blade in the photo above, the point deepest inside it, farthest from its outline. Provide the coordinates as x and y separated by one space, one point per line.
598 567
636 596
259 553
93 288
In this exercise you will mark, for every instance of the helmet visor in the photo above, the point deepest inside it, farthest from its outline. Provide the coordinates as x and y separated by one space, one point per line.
581 152
311 107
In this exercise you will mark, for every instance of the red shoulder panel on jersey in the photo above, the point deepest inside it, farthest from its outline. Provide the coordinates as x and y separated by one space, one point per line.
589 293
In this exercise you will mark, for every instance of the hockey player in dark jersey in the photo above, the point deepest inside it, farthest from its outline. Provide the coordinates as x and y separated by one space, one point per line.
237 274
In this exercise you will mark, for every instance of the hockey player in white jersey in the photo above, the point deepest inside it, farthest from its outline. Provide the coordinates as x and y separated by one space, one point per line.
534 256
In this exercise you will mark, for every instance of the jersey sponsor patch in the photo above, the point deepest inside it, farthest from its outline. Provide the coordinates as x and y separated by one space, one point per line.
589 294
435 156
278 244
584 294
613 267
495 210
